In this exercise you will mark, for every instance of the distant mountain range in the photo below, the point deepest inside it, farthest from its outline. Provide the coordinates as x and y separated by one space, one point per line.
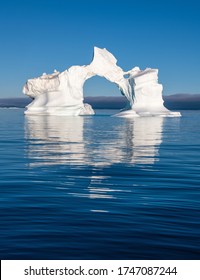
172 102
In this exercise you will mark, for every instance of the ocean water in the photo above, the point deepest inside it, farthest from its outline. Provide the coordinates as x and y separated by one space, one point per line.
99 187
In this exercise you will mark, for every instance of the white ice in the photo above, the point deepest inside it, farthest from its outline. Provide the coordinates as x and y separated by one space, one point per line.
144 94
62 93
59 93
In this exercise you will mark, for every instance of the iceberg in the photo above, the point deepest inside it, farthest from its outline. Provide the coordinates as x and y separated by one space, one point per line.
61 93
144 94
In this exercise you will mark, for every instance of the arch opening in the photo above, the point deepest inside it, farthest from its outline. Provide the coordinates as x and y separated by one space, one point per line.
99 86
103 94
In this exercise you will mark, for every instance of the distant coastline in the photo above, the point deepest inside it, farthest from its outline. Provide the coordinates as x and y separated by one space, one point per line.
172 102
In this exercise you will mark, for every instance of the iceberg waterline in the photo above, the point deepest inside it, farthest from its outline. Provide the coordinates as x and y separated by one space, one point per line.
61 93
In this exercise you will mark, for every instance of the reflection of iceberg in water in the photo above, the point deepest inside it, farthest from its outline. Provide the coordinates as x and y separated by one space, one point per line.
79 141
92 152
145 136
55 140
137 141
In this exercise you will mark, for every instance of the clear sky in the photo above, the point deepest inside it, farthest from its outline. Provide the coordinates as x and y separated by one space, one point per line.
39 36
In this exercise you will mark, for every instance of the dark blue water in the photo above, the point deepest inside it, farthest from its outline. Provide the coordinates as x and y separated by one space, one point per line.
99 187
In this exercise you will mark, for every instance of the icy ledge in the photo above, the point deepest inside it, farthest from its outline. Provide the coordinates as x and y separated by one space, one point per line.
62 93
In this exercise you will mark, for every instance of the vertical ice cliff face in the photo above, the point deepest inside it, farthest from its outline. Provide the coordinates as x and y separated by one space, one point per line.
144 94
62 93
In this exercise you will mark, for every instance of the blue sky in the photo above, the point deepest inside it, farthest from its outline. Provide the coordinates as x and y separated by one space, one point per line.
41 35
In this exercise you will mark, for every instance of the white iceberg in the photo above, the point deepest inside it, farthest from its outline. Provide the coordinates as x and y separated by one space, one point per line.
144 94
62 93
59 93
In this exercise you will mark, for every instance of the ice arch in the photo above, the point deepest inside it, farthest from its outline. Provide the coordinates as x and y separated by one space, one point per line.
62 93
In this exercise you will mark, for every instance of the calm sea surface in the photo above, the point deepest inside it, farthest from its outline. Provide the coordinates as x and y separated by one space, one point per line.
99 187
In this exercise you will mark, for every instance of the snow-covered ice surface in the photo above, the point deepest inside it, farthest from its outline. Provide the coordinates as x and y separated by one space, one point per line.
62 93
